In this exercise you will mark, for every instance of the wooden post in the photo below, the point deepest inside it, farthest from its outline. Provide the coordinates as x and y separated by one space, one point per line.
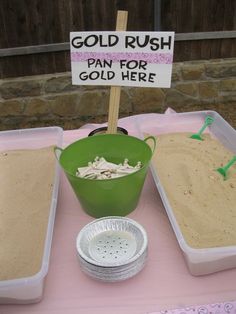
114 101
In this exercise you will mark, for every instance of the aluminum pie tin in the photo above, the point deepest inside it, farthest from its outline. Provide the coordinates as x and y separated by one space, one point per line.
115 269
110 276
111 242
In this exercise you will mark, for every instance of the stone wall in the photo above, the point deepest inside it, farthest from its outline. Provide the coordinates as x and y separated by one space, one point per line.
52 100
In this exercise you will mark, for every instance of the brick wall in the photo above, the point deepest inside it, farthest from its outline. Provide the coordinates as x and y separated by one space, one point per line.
52 100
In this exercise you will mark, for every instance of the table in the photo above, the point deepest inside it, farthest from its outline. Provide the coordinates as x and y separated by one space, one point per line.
163 285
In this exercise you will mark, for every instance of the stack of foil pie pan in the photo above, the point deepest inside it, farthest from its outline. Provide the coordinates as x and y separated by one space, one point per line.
112 248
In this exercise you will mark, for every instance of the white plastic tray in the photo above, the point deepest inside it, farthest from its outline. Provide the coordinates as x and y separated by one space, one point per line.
29 290
199 261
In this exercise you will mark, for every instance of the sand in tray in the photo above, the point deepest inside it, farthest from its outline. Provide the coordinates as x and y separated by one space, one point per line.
203 203
26 184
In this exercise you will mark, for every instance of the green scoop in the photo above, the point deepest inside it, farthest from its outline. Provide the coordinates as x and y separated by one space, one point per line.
208 121
223 170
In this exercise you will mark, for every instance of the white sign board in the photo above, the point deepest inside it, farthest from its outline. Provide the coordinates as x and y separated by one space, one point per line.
142 59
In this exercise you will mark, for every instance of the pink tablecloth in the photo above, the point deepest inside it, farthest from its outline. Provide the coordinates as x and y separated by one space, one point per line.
164 284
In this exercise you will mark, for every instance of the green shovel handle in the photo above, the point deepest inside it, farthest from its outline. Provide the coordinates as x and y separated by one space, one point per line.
208 121
153 142
57 152
230 163
223 170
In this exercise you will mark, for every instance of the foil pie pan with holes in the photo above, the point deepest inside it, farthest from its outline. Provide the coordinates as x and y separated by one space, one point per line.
112 248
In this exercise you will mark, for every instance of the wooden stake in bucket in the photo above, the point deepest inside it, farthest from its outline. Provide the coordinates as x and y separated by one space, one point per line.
114 101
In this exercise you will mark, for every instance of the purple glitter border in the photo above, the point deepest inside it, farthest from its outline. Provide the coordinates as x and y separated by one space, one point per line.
159 58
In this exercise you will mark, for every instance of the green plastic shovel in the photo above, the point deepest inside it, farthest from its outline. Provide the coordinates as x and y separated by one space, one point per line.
208 121
223 170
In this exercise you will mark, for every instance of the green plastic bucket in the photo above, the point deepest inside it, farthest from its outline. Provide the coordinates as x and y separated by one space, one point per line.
109 197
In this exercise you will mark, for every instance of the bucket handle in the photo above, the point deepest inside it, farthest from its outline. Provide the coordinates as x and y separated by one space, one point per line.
57 152
154 142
